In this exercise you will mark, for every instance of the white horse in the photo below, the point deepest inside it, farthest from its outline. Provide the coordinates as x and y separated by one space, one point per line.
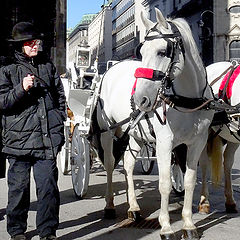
221 147
169 50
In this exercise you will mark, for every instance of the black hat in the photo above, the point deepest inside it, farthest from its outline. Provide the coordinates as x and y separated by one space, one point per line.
24 31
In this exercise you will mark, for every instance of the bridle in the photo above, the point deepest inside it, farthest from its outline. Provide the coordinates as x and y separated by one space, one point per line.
174 42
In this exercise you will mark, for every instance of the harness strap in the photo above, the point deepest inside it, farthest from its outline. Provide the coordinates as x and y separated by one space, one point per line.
193 104
223 93
219 77
215 134
163 122
112 126
150 126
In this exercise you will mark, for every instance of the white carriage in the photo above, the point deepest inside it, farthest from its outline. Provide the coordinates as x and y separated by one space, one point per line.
76 157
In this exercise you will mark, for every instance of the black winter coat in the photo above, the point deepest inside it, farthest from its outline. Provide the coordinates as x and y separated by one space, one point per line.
32 121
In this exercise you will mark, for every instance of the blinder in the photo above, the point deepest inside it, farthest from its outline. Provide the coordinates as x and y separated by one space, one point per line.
137 52
169 52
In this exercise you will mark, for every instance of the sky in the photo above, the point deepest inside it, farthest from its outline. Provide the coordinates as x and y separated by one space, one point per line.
77 8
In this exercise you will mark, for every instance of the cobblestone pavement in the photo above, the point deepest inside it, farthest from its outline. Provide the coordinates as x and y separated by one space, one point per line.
83 219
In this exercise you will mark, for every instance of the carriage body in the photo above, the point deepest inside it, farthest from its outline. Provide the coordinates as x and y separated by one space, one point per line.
82 90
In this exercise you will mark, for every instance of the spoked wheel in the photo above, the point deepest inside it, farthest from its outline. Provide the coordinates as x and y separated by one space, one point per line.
146 153
80 163
64 154
178 169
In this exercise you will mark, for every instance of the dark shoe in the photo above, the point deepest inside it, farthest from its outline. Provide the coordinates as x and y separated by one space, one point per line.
18 237
49 237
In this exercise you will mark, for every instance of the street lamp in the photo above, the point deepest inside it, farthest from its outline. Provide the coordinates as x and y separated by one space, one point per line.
206 25
201 22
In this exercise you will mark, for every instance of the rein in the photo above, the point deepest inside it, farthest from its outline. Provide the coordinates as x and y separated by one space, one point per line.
193 104
219 77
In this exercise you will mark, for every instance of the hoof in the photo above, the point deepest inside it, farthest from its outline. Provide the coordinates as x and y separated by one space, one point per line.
231 208
109 213
204 208
168 236
135 216
190 235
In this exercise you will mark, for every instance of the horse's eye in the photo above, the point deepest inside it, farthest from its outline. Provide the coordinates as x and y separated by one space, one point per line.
161 53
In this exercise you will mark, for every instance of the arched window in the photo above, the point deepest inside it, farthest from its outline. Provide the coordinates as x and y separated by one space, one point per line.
234 50
234 9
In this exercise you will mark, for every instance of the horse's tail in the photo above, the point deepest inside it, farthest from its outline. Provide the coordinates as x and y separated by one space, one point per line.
215 149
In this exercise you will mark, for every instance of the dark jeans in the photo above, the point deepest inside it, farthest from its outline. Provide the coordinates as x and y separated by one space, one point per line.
45 175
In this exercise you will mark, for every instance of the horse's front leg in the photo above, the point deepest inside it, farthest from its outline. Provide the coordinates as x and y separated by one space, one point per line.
107 145
194 152
229 152
164 153
129 163
204 205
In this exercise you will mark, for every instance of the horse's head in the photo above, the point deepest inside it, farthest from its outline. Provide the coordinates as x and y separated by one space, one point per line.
162 59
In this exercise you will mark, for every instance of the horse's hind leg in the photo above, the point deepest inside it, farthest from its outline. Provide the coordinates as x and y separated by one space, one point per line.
204 205
109 161
129 163
229 152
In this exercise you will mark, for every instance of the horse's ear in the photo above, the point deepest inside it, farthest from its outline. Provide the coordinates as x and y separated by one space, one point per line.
160 18
147 23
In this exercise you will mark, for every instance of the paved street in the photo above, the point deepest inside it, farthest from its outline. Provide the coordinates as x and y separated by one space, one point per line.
83 219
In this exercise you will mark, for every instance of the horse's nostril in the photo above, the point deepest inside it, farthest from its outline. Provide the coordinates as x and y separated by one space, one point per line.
145 102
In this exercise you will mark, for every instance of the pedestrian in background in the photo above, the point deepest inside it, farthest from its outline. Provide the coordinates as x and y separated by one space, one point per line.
32 104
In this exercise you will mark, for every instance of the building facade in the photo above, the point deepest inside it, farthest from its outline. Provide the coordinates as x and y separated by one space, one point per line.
226 30
199 16
215 25
128 29
123 29
94 34
99 35
118 29
78 36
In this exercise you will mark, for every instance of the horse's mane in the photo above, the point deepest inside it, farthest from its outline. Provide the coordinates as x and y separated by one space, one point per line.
188 39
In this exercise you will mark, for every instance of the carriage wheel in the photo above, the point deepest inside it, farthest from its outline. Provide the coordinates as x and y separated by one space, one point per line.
147 164
64 154
178 169
80 163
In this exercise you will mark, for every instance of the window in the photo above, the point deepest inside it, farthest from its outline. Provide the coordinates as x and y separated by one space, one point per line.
234 50
234 9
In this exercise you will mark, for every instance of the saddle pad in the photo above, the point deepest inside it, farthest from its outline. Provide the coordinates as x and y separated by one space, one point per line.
230 84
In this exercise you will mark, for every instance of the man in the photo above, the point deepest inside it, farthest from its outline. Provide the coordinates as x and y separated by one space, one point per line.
32 104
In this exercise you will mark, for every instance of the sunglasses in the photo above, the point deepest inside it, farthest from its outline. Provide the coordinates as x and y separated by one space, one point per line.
32 43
